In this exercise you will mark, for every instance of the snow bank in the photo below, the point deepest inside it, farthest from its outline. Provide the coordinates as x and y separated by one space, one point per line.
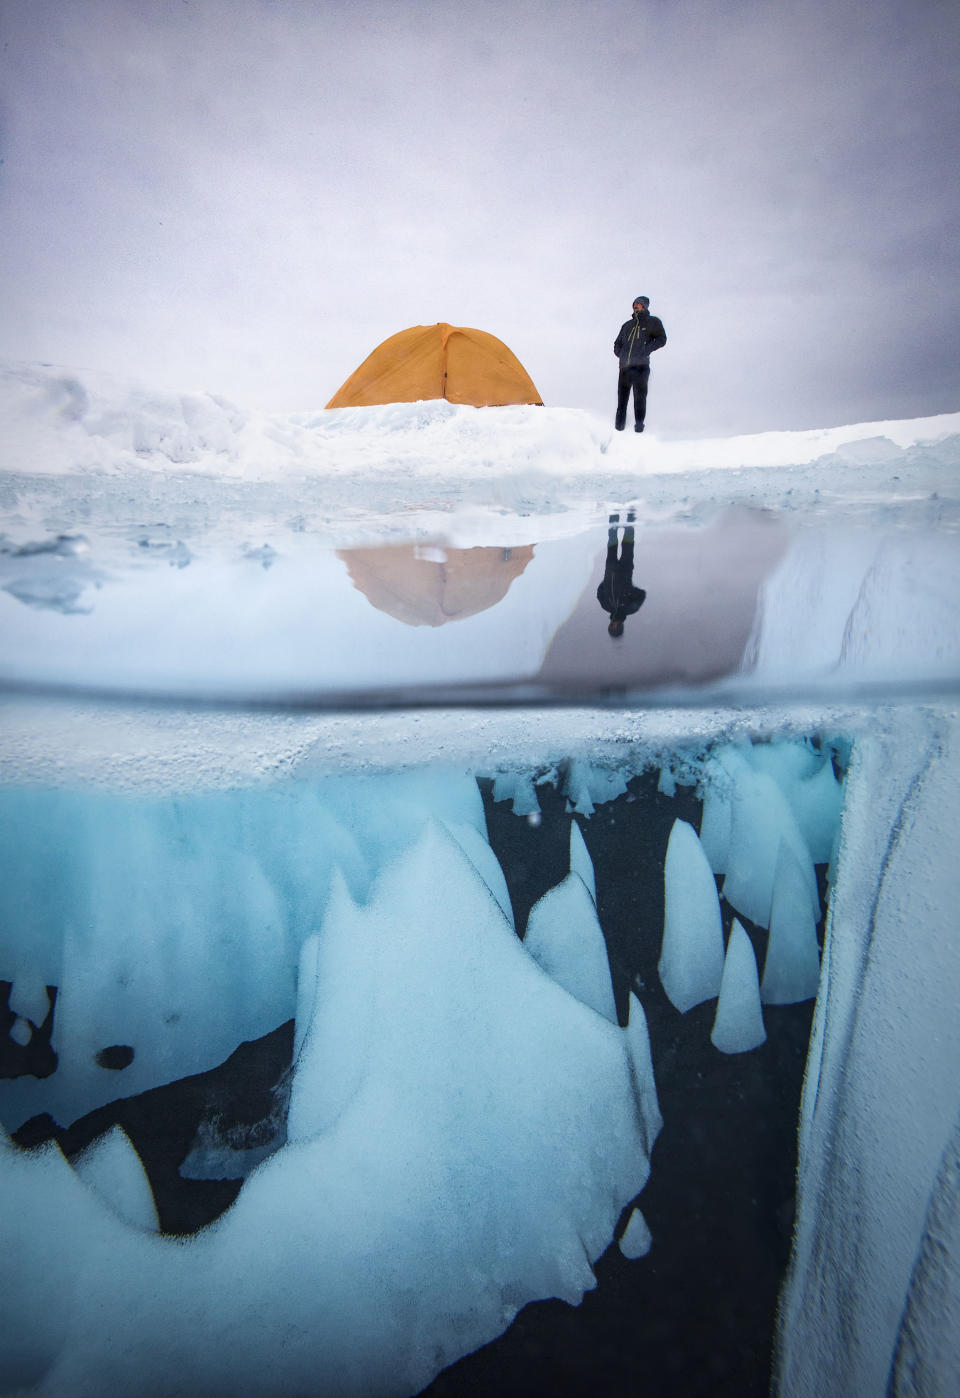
60 420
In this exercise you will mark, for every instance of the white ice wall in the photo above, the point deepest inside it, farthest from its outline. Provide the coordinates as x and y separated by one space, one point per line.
882 1094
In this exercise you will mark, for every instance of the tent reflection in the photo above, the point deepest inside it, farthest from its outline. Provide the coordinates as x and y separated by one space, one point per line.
428 585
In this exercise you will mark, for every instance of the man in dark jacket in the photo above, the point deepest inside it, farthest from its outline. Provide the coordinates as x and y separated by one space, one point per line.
638 338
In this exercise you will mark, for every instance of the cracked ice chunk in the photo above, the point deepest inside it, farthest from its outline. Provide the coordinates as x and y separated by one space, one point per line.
580 861
791 970
738 1024
691 957
565 939
636 1241
111 1167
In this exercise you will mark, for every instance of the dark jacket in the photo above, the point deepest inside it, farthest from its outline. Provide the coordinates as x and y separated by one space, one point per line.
617 595
639 337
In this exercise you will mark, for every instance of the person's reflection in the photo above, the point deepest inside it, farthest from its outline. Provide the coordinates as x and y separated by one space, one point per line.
617 594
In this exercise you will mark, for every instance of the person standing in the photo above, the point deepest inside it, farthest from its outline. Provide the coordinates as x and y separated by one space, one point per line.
638 339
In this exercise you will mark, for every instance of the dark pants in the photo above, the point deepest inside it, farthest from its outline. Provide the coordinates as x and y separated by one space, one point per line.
636 379
625 561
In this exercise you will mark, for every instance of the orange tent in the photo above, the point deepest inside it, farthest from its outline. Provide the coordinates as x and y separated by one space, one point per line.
438 361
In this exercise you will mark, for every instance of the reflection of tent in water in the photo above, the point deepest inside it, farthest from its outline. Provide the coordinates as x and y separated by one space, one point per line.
438 361
429 586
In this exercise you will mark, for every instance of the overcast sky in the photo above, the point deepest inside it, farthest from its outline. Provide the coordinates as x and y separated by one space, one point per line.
247 196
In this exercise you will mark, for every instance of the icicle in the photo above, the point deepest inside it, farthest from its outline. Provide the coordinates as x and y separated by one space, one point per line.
691 958
517 787
636 1241
667 783
580 861
638 1046
738 1024
791 971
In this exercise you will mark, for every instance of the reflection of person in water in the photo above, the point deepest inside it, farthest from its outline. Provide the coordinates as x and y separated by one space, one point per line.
617 594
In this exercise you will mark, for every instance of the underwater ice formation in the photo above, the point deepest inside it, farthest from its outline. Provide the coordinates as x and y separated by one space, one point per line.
431 1047
691 962
738 1023
432 1050
565 938
415 1003
636 1240
791 970
112 1169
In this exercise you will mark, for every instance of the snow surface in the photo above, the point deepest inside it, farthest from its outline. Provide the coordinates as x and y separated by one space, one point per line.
179 545
61 420
157 542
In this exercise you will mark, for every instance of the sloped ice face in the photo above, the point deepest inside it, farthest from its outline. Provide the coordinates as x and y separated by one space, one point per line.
406 1219
467 1120
174 925
564 937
